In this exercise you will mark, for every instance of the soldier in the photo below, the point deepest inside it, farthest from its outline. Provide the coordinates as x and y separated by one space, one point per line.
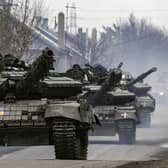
76 73
38 71
10 60
110 83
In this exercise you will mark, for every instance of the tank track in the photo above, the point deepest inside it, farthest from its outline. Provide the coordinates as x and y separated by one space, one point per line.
83 144
66 141
145 120
126 131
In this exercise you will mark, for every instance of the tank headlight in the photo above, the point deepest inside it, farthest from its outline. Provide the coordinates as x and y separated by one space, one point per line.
106 118
100 118
123 76
1 113
161 93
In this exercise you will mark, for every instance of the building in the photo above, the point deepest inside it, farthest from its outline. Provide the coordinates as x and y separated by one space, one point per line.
68 48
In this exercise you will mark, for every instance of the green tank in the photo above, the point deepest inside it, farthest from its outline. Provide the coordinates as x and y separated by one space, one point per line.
115 106
39 109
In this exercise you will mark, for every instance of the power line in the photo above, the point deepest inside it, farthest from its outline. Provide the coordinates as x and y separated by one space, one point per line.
81 9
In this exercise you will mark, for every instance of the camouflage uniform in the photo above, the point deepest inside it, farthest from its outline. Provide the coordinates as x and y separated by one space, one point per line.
76 73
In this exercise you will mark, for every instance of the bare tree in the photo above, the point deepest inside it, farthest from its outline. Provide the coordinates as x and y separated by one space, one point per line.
133 40
15 27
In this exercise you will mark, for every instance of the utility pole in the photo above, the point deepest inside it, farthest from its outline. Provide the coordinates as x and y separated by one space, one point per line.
55 22
71 20
67 17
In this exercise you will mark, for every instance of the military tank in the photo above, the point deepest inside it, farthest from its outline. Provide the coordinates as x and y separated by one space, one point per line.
145 102
115 106
39 109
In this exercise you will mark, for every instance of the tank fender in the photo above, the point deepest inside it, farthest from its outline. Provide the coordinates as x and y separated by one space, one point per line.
63 109
79 111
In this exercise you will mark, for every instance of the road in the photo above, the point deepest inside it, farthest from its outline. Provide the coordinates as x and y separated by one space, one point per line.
149 142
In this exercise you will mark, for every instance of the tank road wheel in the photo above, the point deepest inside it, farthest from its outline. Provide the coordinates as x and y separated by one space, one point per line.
66 141
126 131
83 144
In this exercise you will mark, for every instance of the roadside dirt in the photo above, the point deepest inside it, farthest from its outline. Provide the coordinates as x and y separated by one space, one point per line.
162 162
146 164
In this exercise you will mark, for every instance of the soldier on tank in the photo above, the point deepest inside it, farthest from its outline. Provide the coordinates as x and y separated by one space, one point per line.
38 71
76 73
112 81
21 64
10 60
90 73
29 83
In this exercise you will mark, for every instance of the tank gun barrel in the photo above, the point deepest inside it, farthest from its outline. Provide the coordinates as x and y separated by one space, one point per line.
142 76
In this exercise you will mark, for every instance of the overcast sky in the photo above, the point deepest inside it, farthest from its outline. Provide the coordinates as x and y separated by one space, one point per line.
96 13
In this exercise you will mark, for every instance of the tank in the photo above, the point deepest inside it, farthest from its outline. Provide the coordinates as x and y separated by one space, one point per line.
145 102
115 106
37 108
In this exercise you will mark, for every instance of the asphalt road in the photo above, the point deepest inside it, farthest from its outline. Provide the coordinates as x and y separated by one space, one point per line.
150 141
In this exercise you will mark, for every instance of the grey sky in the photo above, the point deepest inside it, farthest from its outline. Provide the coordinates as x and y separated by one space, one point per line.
95 13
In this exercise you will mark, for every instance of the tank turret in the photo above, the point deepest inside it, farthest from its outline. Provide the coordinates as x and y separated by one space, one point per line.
24 84
111 92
